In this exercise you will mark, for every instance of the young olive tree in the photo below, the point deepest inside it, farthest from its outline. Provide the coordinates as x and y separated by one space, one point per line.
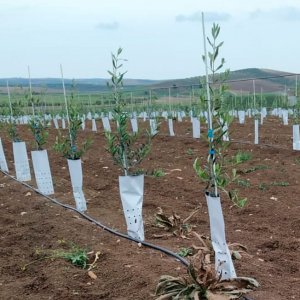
123 146
67 144
38 123
217 173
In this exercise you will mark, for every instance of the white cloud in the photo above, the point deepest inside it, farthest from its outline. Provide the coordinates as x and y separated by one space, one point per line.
209 17
287 13
108 26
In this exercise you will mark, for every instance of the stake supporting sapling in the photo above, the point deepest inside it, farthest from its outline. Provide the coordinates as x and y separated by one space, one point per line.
212 173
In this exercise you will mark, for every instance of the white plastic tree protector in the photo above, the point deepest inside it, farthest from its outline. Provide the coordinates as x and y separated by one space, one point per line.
83 123
249 112
153 127
191 116
134 125
55 123
179 117
241 115
171 129
94 126
106 125
226 134
110 115
63 123
132 195
89 116
256 135
144 116
196 128
285 117
3 163
261 118
223 260
21 161
42 171
75 169
164 114
296 137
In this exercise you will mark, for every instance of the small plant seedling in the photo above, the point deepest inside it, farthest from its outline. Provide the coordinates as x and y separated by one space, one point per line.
68 145
243 182
12 132
75 255
255 168
263 186
190 151
241 157
280 183
184 252
158 173
38 127
16 110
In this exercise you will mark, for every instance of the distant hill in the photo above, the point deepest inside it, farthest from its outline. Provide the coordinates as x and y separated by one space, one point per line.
82 85
274 81
239 80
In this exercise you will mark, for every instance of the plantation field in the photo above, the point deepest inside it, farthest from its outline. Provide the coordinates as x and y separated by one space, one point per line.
269 225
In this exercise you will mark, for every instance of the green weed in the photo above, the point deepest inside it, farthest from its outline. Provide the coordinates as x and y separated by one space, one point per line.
241 157
184 252
255 168
190 151
243 182
280 183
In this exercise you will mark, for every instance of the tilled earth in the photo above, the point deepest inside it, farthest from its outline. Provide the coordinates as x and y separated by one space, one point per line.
269 225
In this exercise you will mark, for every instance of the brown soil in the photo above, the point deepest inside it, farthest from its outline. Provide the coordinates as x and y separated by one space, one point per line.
269 225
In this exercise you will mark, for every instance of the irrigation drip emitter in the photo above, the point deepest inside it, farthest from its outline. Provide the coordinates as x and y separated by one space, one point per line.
104 227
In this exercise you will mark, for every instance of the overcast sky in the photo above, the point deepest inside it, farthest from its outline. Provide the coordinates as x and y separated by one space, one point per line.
162 39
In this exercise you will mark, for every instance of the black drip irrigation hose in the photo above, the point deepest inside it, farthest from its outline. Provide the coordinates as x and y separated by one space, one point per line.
104 227
108 229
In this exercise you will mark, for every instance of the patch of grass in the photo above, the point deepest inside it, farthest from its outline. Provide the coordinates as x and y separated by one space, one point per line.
255 168
263 186
297 160
280 183
157 173
241 157
75 255
243 182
